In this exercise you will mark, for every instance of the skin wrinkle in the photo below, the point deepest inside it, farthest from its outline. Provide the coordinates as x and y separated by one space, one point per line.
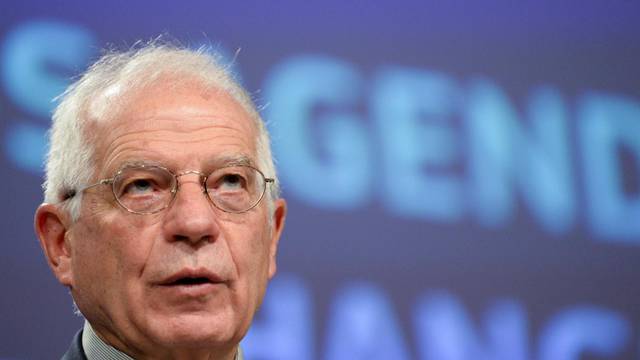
115 259
95 197
131 139
152 118
209 166
129 142
117 83
251 126
126 145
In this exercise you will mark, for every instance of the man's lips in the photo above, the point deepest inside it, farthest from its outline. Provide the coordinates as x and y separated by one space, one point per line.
186 277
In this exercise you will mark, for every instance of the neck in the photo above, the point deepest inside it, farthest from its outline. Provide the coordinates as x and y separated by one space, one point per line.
156 351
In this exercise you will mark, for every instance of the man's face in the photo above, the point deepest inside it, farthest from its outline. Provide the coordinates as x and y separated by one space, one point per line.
128 270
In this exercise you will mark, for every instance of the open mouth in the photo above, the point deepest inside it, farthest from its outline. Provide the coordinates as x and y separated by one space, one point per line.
187 281
191 278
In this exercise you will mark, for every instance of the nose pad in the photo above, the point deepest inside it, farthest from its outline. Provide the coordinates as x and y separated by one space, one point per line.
191 216
200 182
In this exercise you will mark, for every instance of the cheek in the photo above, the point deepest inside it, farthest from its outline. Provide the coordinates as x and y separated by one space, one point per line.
111 250
130 242
250 251
93 268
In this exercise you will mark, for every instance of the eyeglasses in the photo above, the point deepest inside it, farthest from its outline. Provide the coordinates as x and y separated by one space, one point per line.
148 189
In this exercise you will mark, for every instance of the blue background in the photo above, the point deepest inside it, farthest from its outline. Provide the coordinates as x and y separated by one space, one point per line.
463 177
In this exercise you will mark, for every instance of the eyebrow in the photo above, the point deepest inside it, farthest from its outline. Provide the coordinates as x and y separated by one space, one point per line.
228 160
210 164
140 162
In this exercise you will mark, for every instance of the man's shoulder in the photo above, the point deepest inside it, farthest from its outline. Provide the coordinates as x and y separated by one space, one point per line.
75 351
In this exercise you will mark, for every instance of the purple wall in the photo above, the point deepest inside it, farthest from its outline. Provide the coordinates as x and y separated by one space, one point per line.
463 178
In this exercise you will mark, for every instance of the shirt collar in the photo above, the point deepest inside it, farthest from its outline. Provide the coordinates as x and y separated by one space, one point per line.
96 349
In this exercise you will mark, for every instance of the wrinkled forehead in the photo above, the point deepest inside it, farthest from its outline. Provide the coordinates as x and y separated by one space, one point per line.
178 109
122 98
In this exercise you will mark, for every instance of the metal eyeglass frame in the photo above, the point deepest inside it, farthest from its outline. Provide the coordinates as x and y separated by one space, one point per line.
174 190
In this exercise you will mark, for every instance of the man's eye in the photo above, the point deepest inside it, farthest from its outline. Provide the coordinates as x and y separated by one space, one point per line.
231 182
139 187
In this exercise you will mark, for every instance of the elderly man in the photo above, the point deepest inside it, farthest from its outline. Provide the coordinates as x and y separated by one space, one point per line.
162 212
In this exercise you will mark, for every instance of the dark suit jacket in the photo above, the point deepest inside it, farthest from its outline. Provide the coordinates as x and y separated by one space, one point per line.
75 351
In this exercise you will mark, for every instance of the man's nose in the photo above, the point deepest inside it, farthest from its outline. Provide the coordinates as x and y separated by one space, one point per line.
191 217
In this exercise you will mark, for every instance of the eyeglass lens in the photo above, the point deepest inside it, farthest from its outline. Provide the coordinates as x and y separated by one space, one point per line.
149 189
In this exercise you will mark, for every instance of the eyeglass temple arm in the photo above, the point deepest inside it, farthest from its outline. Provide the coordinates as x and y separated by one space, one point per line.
73 192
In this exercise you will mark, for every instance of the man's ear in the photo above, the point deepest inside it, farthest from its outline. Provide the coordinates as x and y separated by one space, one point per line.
279 215
51 225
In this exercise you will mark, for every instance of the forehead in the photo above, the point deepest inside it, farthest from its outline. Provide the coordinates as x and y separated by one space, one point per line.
178 126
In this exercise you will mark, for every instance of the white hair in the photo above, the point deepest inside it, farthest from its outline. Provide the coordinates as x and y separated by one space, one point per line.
100 94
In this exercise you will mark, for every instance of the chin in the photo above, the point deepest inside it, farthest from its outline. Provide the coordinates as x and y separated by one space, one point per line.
198 331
